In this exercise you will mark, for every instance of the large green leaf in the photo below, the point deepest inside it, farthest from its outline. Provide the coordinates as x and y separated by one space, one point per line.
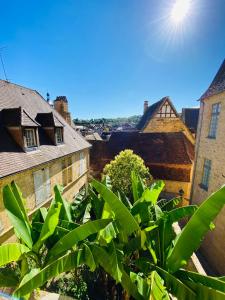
50 223
209 281
16 215
78 234
59 266
157 288
65 213
12 252
181 212
152 193
20 200
205 292
122 214
176 286
142 284
108 259
194 231
137 186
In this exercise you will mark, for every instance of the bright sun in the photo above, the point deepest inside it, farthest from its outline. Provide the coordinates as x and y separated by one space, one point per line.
180 10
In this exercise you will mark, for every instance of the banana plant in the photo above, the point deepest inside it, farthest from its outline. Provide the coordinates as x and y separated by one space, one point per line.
132 240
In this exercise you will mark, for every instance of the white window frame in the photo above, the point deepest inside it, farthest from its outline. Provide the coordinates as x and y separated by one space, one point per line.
30 141
59 135
42 185
67 171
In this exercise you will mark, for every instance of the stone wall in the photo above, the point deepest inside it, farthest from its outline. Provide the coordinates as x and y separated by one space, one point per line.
213 246
25 181
168 125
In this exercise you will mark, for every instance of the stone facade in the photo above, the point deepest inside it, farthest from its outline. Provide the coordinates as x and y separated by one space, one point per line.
214 150
25 181
168 125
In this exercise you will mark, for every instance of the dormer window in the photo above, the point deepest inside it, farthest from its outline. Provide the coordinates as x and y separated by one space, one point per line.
59 135
30 138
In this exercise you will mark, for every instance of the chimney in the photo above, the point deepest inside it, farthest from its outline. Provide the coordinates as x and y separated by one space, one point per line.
61 106
48 97
145 106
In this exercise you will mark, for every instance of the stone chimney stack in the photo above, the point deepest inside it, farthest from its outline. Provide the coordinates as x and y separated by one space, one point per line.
145 106
61 106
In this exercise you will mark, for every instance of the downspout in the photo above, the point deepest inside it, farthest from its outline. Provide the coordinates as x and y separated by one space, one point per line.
202 104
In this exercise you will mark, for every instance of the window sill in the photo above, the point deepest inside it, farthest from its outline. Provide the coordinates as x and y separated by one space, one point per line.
203 187
211 137
30 149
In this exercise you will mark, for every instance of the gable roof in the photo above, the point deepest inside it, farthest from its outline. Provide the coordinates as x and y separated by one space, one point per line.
17 117
218 83
13 159
152 110
190 118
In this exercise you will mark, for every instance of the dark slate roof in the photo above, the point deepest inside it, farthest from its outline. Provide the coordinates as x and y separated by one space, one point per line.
48 120
17 117
151 111
12 158
190 118
218 83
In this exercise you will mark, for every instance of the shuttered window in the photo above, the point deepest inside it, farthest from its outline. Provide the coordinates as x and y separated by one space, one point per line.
67 171
83 164
42 185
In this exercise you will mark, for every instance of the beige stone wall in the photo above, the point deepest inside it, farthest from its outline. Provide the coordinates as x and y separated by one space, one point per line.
213 149
175 186
25 182
168 125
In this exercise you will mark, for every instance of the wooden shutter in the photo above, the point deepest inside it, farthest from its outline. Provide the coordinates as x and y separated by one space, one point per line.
39 187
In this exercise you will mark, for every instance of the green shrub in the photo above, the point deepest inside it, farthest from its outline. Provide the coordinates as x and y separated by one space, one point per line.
119 170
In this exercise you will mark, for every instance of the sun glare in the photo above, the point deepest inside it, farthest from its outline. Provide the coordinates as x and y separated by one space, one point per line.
180 10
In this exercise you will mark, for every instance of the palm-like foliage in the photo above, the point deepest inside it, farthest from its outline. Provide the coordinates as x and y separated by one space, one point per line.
131 239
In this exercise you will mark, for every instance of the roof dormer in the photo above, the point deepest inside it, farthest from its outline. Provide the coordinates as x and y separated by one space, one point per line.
22 127
52 126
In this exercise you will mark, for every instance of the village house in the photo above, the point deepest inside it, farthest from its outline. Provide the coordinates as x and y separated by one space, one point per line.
209 172
38 149
162 140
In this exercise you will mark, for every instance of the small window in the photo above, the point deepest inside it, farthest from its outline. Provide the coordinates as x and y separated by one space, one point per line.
67 171
214 120
59 135
30 138
206 174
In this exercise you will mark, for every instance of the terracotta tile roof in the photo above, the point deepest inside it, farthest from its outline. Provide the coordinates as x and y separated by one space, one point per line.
151 111
218 83
190 118
12 158
168 155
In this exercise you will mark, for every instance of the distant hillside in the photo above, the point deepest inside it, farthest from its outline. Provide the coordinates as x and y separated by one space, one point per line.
109 121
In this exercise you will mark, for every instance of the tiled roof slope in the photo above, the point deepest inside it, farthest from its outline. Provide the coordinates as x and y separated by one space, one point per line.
164 148
12 158
151 111
218 83
190 118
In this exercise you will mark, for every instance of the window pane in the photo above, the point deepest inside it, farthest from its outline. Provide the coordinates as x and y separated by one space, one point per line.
214 119
206 172
59 136
30 138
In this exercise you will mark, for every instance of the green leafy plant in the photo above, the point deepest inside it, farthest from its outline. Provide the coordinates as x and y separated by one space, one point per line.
132 244
119 170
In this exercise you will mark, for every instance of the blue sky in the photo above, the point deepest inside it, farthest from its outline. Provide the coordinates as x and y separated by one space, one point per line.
108 56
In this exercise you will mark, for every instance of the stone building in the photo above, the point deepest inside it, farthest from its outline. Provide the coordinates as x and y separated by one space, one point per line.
163 141
38 149
163 117
209 172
